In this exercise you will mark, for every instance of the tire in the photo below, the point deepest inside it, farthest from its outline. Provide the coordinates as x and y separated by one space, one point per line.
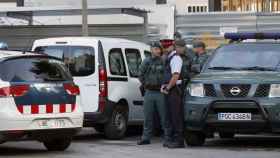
226 135
194 138
57 144
116 128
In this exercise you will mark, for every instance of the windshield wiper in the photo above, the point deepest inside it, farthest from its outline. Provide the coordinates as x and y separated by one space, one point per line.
222 68
259 68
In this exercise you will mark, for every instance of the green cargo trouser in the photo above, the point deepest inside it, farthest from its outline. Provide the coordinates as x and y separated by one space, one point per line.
155 101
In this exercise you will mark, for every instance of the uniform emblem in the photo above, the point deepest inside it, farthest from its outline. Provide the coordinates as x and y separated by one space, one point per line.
235 91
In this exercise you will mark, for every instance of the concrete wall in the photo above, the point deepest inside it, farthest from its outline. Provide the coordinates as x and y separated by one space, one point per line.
90 2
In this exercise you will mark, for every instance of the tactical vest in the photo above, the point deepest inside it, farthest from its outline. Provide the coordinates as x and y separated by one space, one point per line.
155 72
168 72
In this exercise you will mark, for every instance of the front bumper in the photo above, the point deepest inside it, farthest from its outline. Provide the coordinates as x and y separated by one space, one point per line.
201 114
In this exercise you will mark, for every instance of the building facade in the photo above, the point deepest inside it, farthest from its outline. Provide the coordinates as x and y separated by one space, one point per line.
191 6
245 5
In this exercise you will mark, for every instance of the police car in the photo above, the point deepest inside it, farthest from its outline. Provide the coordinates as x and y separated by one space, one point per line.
38 100
238 91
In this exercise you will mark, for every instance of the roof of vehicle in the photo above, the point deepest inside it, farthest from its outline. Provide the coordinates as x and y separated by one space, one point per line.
9 53
92 38
6 54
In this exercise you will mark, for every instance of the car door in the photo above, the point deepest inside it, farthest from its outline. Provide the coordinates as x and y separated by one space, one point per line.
134 60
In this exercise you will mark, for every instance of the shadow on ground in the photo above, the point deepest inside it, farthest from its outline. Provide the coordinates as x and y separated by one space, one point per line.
259 142
91 139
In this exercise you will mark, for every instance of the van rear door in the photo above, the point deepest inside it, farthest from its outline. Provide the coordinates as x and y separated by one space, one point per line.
82 64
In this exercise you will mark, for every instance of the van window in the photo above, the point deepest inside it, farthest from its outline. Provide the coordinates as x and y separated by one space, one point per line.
116 62
133 58
80 60
56 51
147 53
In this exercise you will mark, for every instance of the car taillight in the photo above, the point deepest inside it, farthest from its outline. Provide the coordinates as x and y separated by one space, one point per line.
14 91
71 89
103 88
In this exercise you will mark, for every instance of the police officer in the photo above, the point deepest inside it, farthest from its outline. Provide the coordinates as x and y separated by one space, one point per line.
171 88
180 47
151 76
200 57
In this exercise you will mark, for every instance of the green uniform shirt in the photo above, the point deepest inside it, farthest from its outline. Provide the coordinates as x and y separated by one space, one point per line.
199 60
186 68
152 71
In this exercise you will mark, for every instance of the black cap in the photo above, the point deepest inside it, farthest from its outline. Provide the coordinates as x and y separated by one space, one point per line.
156 45
199 44
180 43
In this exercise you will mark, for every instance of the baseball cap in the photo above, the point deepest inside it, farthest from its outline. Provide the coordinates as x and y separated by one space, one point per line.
180 43
199 44
156 45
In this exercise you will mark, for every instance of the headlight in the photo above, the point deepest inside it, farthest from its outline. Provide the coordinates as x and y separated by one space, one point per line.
196 90
274 91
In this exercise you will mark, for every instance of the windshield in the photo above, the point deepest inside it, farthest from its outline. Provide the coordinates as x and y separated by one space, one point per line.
250 56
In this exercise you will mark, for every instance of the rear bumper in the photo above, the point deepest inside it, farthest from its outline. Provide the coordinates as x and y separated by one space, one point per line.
200 116
39 135
94 118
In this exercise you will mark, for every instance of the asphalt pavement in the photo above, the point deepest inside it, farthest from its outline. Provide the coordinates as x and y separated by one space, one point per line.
89 144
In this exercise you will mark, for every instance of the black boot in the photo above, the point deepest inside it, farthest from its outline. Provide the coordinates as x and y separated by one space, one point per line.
166 144
177 143
143 142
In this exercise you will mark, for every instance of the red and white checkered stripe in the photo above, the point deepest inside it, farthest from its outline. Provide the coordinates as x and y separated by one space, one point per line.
46 109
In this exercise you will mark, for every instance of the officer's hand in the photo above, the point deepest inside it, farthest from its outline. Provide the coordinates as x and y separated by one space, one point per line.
163 89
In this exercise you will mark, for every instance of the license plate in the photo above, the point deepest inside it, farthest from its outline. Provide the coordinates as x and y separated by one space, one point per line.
235 116
52 123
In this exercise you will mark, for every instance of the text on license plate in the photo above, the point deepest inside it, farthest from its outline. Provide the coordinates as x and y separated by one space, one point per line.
52 123
235 116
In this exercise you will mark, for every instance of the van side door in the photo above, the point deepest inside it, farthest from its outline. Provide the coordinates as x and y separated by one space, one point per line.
82 64
134 60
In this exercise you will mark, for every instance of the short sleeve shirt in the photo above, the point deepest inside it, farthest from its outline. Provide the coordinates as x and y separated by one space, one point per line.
176 63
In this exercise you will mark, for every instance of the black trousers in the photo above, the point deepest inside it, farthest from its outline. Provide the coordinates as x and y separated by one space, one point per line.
175 113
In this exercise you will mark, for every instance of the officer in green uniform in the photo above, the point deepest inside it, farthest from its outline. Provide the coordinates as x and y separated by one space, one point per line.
200 57
180 46
151 76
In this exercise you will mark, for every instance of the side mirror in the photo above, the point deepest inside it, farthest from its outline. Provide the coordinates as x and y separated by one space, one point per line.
196 68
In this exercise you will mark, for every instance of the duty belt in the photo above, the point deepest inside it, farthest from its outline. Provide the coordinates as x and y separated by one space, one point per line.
153 87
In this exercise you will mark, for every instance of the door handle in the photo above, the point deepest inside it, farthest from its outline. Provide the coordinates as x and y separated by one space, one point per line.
90 85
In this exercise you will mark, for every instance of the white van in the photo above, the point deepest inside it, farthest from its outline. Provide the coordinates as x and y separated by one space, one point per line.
106 71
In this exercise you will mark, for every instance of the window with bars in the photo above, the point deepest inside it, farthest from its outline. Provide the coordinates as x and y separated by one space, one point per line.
161 1
196 9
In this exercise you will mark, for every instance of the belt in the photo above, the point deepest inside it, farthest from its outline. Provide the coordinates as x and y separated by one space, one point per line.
153 87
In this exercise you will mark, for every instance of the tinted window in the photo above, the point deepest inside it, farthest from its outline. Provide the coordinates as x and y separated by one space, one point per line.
56 51
147 53
133 58
80 60
116 61
33 69
241 56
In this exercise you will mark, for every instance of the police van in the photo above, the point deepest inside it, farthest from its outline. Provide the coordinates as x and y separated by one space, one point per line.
39 100
106 70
